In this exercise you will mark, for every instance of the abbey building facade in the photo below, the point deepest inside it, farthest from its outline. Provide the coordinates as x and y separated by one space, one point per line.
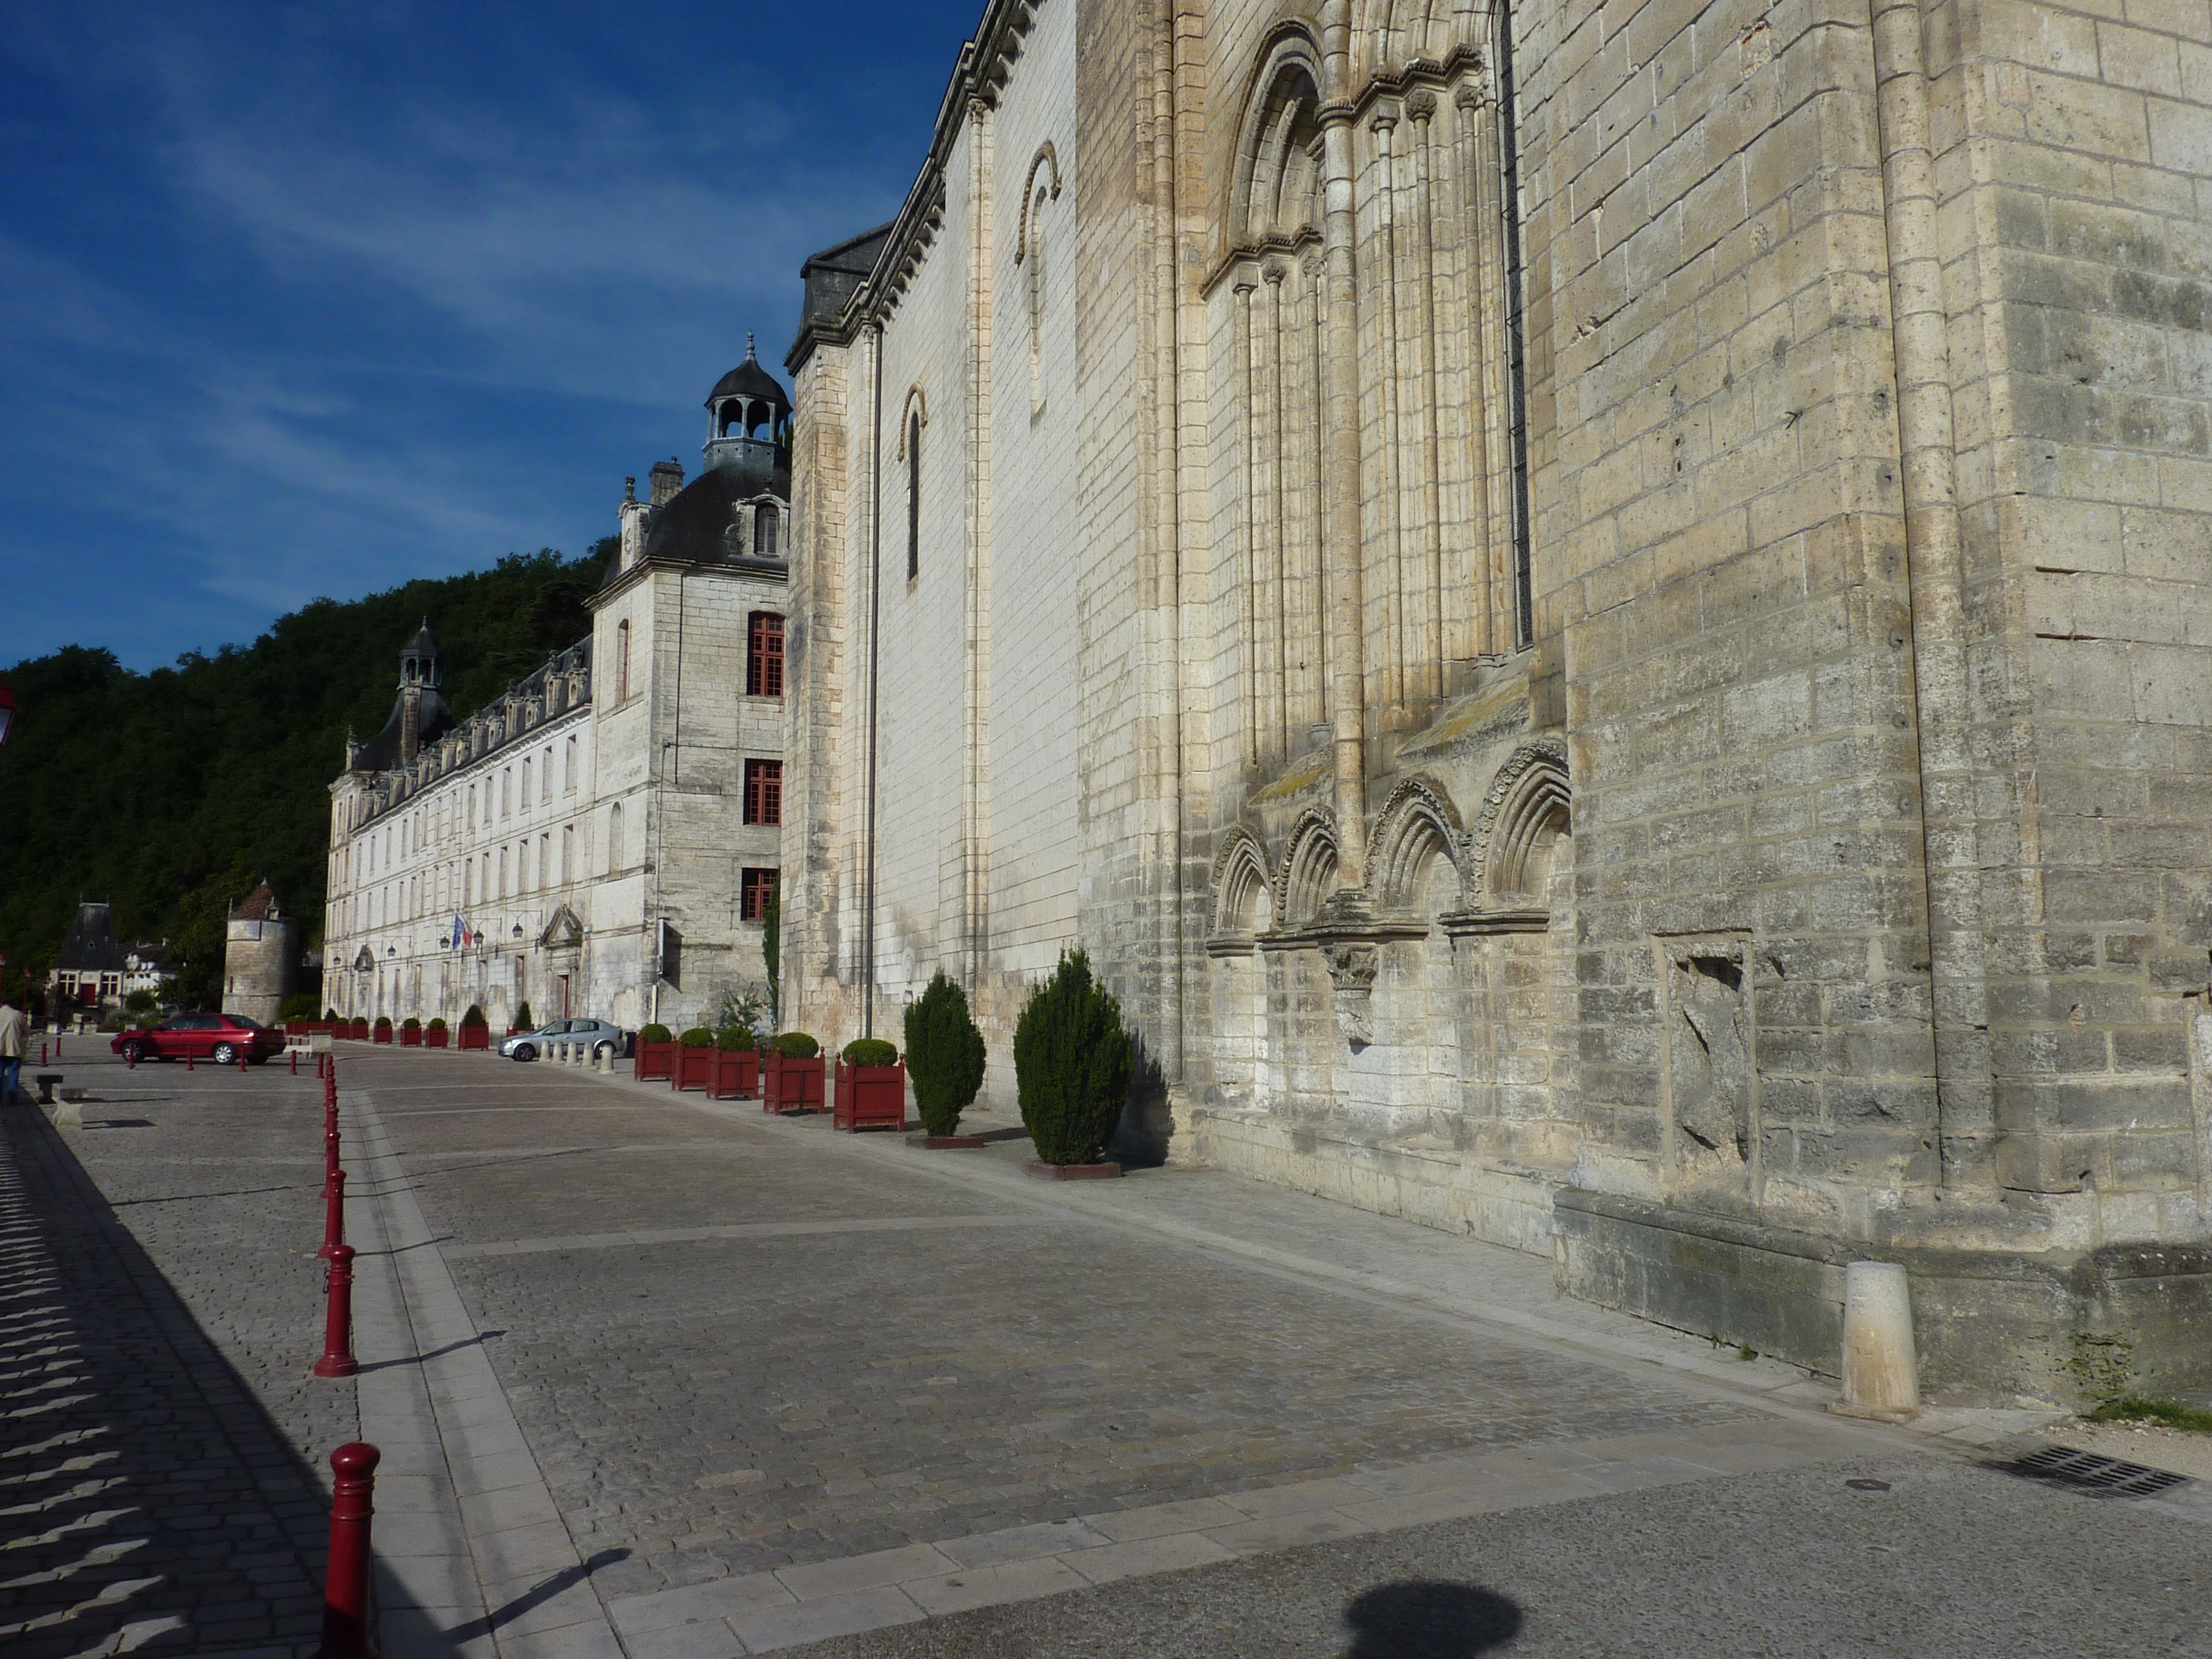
602 840
1595 612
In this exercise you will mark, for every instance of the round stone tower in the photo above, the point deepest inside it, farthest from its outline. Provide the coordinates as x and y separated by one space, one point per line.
260 957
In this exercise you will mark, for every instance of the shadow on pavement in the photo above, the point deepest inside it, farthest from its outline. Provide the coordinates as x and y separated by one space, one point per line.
1428 1618
153 1506
544 1590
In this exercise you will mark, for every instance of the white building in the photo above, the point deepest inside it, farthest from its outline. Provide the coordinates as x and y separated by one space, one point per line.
602 839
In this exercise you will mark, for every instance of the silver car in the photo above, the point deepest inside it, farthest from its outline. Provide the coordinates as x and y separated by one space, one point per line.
600 1037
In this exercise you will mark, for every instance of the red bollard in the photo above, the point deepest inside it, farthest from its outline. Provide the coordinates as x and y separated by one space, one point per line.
188 1062
331 1152
333 1214
58 1046
42 1053
295 1062
130 1057
337 1358
345 1591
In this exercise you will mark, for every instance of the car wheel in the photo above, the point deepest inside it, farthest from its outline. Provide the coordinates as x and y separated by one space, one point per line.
524 1051
224 1054
133 1053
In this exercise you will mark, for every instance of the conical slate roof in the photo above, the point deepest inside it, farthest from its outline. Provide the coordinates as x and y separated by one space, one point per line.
91 946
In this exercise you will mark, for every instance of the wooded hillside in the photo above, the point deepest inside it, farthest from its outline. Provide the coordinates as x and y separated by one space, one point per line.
168 793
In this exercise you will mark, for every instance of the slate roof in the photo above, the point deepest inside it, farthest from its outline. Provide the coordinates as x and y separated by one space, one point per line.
91 946
260 905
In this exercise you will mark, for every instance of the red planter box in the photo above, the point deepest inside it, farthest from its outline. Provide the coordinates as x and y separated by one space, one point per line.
652 1061
381 1034
694 1068
437 1037
410 1039
789 1085
736 1075
360 1030
476 1037
870 1097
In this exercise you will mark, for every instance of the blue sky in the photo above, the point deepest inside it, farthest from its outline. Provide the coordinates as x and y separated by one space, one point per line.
298 300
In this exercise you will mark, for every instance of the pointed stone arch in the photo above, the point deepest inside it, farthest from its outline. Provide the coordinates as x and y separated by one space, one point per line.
1244 902
1527 807
1417 824
1308 873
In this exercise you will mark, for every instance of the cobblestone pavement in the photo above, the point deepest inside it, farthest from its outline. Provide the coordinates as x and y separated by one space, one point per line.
855 1357
162 1304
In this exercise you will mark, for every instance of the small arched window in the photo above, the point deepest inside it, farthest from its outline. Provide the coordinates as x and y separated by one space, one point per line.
767 540
913 495
622 660
614 838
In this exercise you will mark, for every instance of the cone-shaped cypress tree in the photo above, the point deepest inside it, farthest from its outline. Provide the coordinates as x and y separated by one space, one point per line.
945 1055
1073 1062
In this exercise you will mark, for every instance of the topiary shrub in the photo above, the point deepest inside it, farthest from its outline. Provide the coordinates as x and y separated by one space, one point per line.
1072 1063
735 1039
796 1045
301 1006
474 1016
384 1022
655 1032
697 1037
522 1016
411 1024
331 1016
944 1055
870 1051
437 1025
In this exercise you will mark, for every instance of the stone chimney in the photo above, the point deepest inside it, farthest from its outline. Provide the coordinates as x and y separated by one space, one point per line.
667 479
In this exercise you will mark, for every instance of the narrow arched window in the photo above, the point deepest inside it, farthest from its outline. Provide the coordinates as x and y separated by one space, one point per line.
622 660
614 838
913 495
768 541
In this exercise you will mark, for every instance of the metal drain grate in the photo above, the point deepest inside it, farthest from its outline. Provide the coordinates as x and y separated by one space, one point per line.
2105 1475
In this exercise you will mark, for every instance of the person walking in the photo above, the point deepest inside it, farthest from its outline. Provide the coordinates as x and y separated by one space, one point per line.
14 1029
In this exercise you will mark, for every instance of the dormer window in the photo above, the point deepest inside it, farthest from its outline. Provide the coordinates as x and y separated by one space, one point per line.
767 540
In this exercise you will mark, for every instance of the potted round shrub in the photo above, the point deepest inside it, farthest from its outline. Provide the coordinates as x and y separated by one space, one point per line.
1073 1062
434 1034
476 1029
653 1056
791 1074
523 1022
359 1030
382 1032
737 1064
410 1032
695 1060
945 1057
871 1087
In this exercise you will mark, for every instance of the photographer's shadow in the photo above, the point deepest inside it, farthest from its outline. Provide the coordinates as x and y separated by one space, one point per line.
1426 1619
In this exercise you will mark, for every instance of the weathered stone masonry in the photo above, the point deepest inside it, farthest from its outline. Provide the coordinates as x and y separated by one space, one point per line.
1599 615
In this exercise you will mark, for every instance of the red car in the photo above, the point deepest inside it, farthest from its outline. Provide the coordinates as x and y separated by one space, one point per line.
219 1038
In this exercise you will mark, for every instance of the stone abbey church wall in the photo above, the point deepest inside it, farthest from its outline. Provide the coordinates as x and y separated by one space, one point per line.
1599 618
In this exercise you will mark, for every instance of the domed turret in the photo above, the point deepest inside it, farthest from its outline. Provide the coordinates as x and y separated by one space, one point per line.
749 425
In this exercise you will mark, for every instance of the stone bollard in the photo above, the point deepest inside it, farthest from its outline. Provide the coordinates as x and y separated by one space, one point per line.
607 1061
333 1214
1881 1368
337 1358
346 1589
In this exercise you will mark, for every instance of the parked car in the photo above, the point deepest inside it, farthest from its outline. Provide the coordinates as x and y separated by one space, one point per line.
602 1038
219 1038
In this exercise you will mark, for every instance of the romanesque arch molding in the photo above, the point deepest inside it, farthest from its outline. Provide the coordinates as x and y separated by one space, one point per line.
1048 159
1277 184
1527 808
917 405
1309 872
1417 824
1244 898
1393 34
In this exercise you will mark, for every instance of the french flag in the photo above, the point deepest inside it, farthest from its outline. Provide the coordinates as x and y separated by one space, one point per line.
462 937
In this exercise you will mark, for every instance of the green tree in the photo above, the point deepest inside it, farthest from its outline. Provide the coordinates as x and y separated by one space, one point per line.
158 792
1072 1063
944 1055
